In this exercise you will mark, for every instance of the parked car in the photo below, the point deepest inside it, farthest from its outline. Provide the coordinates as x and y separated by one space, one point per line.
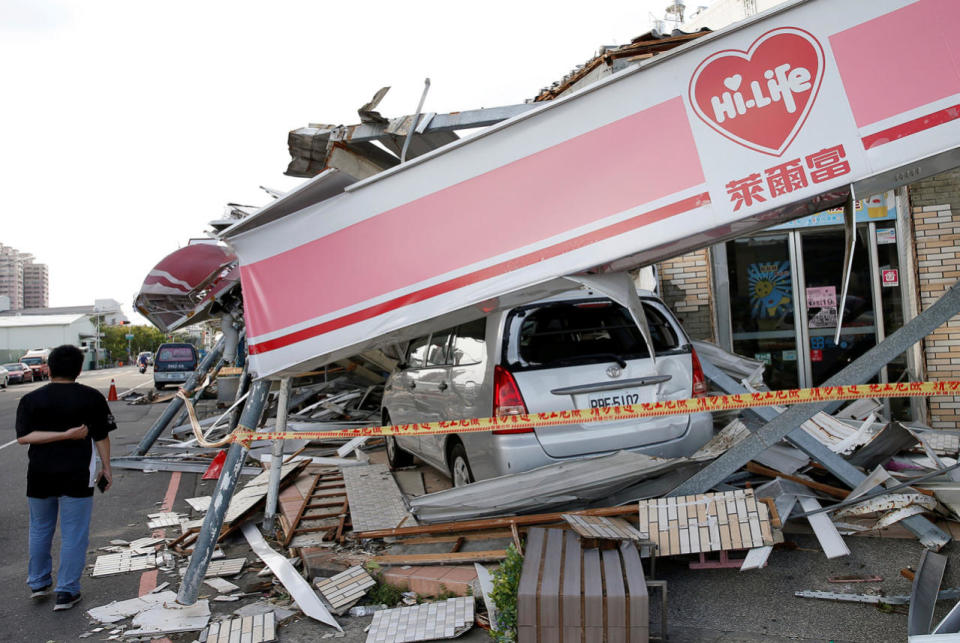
573 351
19 373
36 359
4 377
173 364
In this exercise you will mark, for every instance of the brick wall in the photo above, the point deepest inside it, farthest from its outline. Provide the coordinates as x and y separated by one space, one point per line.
685 287
936 225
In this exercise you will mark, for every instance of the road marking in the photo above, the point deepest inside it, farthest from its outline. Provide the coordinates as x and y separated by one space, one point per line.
135 388
148 579
4 446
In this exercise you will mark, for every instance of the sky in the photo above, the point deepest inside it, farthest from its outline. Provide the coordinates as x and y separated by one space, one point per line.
125 126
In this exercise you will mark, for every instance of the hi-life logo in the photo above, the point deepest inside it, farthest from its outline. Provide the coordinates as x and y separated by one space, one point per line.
761 97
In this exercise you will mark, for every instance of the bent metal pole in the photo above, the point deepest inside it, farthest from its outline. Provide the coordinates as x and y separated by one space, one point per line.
211 358
276 458
226 483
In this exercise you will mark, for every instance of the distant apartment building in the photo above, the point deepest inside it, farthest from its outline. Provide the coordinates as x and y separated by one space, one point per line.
24 282
36 285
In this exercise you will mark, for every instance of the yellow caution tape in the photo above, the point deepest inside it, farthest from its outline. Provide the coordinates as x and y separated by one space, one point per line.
246 436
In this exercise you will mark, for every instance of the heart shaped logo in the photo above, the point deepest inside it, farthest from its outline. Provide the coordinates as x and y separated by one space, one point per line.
760 98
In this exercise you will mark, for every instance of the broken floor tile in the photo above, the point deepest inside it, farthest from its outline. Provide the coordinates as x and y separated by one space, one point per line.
442 620
346 588
260 628
123 562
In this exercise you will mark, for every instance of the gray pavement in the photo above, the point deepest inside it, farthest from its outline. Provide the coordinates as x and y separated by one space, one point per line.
704 605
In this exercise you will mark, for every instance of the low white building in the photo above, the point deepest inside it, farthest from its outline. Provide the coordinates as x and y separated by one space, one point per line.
20 333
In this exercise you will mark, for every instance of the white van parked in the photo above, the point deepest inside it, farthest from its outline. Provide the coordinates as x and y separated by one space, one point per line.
572 351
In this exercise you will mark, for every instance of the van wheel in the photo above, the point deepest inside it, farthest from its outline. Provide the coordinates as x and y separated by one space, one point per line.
459 466
396 457
160 387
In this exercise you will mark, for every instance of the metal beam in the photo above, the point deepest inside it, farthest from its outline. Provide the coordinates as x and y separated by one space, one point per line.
467 119
176 403
928 533
857 372
276 458
226 483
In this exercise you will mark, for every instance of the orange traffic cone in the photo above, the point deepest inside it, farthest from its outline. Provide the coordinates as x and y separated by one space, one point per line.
112 395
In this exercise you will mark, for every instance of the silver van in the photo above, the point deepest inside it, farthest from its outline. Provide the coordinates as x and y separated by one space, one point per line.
572 351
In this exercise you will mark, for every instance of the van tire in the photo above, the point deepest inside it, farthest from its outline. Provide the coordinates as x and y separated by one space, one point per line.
460 471
159 386
396 457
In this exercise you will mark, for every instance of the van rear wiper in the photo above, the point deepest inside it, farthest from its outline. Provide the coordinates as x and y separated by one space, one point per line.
577 359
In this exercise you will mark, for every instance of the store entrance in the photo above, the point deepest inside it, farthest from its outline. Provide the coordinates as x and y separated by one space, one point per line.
762 311
823 252
784 302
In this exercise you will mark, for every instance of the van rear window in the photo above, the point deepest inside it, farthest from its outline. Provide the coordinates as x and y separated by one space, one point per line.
176 354
570 333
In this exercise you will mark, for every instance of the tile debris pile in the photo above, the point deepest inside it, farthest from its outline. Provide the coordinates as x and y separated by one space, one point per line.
338 512
441 620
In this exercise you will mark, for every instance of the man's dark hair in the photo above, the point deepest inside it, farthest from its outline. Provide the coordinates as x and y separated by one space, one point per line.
65 362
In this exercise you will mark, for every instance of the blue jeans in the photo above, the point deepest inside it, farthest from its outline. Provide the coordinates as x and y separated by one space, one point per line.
74 536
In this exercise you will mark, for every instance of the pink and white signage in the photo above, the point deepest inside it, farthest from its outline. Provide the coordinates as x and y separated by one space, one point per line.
697 144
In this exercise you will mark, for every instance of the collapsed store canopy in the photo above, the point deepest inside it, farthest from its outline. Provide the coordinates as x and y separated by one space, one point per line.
183 287
768 120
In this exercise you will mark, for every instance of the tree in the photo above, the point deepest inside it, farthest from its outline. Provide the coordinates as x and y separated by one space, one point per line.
145 338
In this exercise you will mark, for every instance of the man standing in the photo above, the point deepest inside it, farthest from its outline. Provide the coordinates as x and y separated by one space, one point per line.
62 422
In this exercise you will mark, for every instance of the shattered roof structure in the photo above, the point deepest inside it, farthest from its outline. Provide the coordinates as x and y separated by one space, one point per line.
615 58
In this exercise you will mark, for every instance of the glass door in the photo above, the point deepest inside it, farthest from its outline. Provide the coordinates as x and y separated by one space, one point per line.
762 315
823 251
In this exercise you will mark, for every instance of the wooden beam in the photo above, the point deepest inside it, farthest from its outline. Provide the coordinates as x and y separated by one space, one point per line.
836 492
457 558
493 523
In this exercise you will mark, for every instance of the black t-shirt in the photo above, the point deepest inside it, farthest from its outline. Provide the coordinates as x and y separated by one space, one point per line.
66 467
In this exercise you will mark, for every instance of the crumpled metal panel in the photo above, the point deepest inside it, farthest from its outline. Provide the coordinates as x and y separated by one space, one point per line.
567 485
181 289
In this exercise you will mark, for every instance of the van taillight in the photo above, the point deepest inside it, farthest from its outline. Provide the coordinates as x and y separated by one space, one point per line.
507 399
699 381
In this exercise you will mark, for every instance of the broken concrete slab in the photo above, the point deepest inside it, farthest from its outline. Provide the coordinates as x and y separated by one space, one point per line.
170 618
119 610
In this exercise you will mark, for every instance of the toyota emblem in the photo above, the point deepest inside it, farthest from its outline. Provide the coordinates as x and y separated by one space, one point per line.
613 371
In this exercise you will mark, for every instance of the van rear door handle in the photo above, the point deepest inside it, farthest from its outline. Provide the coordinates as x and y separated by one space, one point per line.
612 385
443 386
412 385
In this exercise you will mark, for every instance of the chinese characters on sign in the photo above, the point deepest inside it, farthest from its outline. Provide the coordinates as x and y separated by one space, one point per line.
821 297
890 277
818 167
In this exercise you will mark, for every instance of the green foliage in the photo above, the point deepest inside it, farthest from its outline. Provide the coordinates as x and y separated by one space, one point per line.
386 594
145 338
506 580
445 593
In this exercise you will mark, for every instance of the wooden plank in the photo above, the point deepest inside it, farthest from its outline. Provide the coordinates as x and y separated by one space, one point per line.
592 596
836 492
549 618
456 558
571 592
638 606
486 535
492 523
613 584
530 579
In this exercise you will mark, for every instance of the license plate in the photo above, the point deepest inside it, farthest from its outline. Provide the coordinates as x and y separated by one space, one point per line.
615 398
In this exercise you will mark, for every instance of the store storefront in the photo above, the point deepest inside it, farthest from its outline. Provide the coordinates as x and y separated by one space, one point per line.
777 295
